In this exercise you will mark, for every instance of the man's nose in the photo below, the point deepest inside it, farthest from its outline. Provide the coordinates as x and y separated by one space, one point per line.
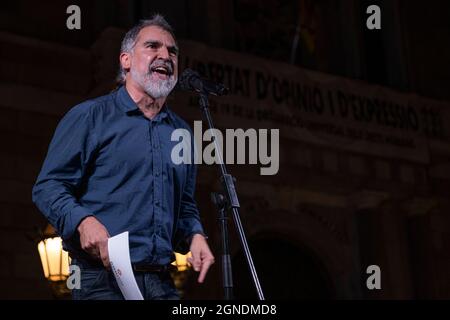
163 53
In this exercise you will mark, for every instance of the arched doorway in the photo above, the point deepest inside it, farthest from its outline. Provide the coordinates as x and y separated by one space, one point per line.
286 271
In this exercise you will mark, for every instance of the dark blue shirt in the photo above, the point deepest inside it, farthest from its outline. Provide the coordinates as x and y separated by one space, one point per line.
109 161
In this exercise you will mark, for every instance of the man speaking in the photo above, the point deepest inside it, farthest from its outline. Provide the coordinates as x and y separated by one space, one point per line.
109 170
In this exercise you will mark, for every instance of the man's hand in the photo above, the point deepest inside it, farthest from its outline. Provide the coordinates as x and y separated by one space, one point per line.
94 239
202 257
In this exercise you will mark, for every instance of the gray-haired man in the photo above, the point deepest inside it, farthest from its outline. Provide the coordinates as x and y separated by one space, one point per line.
109 170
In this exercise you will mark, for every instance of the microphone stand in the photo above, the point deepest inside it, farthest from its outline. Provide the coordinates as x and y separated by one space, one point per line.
223 203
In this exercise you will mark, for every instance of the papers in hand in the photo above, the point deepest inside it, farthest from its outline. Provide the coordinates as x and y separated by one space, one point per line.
119 257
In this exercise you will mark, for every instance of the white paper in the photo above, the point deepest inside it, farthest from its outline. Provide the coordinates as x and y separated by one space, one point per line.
119 257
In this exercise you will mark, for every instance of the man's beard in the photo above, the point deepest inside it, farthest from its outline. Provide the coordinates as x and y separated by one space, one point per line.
155 88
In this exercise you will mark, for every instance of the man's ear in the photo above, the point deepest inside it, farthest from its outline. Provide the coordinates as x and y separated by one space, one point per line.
125 60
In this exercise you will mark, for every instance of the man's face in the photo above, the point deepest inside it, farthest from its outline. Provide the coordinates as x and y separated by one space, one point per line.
153 62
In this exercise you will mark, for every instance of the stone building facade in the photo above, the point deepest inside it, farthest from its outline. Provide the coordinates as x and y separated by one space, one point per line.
314 227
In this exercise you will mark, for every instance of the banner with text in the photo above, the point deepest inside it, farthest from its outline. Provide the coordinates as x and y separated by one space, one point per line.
313 107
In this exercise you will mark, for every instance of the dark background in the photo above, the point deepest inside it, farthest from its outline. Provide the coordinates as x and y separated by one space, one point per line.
313 252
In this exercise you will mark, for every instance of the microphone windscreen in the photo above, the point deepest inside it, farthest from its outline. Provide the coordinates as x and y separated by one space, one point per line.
184 81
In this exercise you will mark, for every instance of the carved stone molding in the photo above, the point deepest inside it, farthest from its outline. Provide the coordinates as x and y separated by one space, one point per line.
332 220
367 199
419 206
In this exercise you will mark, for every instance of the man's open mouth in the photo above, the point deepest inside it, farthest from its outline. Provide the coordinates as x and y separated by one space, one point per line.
162 70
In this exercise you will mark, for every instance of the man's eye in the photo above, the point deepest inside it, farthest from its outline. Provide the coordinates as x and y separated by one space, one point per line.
152 45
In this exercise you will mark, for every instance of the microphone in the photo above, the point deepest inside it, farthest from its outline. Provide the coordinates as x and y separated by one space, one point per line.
190 80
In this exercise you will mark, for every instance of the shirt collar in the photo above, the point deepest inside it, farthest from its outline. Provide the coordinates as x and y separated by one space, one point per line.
125 102
129 106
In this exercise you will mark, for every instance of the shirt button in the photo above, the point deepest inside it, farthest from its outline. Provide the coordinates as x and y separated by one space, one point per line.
157 174
156 203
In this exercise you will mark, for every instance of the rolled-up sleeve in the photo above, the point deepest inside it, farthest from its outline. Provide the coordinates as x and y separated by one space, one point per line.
69 153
